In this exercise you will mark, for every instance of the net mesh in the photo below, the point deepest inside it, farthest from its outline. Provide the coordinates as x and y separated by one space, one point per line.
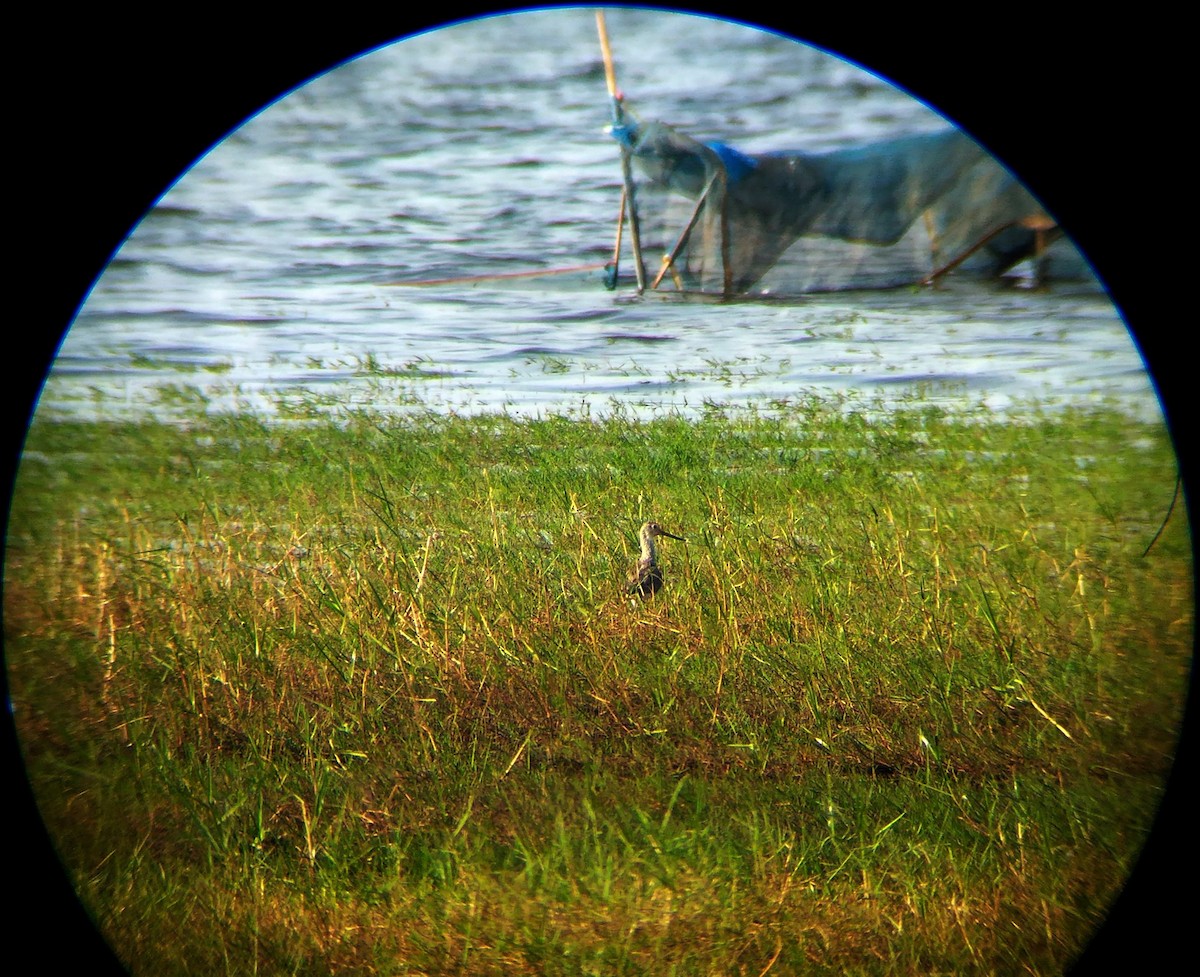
887 214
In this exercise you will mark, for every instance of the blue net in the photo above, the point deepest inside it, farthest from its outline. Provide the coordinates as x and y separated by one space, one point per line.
886 214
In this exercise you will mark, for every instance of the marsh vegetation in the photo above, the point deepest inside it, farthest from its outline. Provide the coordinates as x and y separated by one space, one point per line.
366 695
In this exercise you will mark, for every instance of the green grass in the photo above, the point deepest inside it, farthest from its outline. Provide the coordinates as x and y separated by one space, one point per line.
366 697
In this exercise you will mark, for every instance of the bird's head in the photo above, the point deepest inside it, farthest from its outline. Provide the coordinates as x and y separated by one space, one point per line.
652 529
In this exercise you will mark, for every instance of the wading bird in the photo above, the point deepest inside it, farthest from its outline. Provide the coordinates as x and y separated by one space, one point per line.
648 577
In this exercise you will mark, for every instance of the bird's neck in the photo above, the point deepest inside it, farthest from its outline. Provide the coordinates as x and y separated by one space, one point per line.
649 553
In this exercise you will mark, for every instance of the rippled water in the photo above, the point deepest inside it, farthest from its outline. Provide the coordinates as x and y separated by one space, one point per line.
266 277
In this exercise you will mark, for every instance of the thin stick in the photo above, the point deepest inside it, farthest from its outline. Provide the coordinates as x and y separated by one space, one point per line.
613 268
669 260
610 78
933 276
635 232
727 291
1170 509
610 74
620 226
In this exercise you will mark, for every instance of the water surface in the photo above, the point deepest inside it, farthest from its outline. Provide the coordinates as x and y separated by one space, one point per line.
266 278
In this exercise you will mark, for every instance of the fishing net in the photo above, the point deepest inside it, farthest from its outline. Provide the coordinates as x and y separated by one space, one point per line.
887 214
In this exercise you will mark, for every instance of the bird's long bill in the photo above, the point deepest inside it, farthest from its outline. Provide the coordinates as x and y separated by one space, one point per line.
671 535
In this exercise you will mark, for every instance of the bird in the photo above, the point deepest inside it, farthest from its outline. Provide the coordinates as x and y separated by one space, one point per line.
647 579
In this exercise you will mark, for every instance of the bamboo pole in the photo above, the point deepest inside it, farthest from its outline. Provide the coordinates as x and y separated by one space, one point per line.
610 78
669 259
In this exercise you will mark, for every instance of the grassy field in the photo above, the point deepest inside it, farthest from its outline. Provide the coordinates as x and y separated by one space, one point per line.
367 697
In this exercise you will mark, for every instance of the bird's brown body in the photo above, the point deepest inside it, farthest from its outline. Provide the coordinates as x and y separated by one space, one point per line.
647 578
